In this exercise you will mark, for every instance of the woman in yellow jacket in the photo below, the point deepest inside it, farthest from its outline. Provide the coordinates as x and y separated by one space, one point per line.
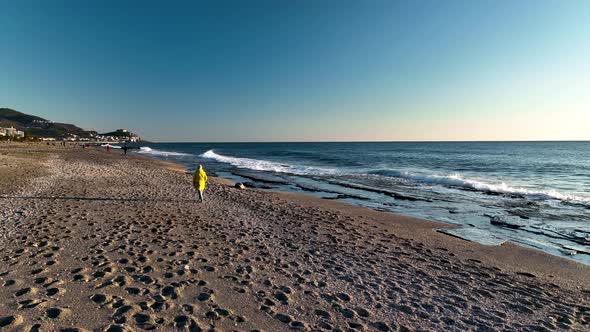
199 181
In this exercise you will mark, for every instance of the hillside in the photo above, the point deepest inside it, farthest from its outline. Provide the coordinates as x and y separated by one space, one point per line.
35 126
119 133
8 115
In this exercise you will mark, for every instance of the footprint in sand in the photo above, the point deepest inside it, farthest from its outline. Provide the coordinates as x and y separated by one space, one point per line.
284 318
100 298
202 297
57 313
120 315
24 291
81 277
54 291
9 283
116 328
11 321
348 313
29 304
183 322
43 280
343 297
322 313
189 309
170 291
282 297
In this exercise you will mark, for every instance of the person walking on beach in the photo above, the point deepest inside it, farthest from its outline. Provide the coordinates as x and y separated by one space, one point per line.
125 148
199 181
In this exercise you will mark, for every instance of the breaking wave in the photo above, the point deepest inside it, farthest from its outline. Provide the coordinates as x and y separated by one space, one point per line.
456 180
270 166
150 151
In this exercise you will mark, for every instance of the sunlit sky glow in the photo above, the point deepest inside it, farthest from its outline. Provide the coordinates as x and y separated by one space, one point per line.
303 70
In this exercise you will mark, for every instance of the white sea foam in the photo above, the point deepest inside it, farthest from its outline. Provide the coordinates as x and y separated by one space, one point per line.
263 165
112 146
457 180
449 180
150 151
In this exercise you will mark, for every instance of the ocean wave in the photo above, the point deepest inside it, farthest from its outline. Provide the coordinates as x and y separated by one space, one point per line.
456 180
264 165
150 151
111 146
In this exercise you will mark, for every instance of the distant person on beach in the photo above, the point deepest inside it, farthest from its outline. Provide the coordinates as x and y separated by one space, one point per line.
199 181
125 148
108 148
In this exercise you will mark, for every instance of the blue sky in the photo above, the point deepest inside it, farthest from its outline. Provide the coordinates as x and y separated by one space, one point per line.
302 70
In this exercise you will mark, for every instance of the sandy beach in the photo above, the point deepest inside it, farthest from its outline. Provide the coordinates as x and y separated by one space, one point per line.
97 241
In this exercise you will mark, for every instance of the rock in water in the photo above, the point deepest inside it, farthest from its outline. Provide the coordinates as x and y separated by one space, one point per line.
505 222
240 186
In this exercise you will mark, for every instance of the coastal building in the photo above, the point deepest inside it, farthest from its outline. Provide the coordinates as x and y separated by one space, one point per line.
11 131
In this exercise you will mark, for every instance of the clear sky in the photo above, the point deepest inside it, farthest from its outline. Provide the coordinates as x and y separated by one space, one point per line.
303 70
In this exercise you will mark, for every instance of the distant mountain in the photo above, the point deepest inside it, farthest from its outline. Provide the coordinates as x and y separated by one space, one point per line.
8 115
120 133
35 126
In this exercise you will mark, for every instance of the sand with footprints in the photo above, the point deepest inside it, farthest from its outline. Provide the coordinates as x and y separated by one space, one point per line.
96 241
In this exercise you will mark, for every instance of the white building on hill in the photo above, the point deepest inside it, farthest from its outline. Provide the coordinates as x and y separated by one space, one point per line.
11 132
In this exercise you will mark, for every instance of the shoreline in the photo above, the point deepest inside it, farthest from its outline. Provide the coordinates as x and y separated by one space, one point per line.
98 232
518 254
488 210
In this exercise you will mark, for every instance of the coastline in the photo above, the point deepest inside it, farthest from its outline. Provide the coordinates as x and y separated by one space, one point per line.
511 256
491 205
321 263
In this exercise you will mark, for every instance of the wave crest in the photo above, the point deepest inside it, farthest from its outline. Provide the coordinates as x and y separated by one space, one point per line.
150 151
270 166
456 180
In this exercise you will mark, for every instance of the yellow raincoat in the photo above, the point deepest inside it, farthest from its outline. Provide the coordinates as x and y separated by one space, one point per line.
199 179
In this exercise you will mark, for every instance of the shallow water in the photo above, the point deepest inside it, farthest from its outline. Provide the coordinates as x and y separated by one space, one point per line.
533 193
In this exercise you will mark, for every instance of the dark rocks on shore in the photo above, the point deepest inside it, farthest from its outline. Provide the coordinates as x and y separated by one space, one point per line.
304 188
519 213
379 191
344 196
505 222
240 186
251 184
260 178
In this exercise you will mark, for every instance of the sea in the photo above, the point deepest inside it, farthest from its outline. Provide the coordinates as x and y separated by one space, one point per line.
535 194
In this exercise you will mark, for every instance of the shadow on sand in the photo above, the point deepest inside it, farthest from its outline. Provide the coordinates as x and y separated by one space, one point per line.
95 199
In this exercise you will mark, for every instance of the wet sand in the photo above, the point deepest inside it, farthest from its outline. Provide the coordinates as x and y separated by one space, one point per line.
100 241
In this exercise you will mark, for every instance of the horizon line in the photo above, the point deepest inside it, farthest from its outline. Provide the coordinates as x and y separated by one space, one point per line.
383 141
